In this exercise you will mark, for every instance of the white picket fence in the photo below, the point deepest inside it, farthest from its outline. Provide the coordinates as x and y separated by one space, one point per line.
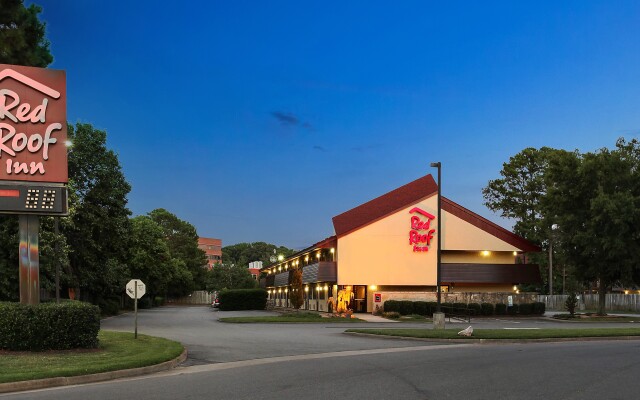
613 302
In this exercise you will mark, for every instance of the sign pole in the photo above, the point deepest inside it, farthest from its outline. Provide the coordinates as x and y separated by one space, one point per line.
29 260
56 219
135 308
134 289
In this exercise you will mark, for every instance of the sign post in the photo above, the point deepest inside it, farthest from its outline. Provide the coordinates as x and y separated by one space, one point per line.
33 159
136 289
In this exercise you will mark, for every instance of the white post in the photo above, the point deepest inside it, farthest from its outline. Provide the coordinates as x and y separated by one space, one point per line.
135 308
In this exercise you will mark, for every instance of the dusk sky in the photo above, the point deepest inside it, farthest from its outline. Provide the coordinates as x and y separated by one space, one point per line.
260 121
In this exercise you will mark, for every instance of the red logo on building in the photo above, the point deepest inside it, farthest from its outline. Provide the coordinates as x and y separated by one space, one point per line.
421 233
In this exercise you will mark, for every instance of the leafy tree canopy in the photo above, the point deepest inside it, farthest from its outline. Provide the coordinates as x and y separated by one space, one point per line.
22 35
227 276
98 227
182 241
594 198
242 254
517 194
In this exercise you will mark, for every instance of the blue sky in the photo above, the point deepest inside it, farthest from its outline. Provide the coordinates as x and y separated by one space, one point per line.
260 121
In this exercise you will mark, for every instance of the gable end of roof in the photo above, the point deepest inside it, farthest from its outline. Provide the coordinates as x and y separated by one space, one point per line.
384 205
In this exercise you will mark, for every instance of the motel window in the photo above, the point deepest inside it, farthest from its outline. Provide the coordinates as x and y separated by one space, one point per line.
321 293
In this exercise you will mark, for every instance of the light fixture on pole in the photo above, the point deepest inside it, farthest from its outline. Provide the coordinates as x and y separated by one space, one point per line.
438 317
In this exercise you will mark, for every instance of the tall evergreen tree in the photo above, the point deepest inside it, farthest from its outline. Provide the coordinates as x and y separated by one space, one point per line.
98 228
23 42
22 35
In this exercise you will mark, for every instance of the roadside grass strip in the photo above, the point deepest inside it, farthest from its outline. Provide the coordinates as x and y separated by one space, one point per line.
290 318
117 351
507 334
595 318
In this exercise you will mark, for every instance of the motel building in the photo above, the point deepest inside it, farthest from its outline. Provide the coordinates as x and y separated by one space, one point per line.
387 249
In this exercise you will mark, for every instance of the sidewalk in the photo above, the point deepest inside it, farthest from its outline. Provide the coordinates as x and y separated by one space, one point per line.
372 318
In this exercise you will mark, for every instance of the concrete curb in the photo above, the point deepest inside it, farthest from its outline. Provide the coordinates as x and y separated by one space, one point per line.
100 377
496 341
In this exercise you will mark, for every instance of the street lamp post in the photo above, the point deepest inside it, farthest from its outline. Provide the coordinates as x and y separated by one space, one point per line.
553 228
438 316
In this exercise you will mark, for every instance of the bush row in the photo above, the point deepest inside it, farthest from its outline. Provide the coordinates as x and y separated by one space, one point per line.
427 308
243 299
49 326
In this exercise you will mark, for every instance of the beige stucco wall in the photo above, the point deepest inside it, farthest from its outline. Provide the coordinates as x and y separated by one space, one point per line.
380 253
461 235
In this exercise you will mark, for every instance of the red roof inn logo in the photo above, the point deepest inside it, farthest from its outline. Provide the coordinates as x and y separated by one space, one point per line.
33 127
421 233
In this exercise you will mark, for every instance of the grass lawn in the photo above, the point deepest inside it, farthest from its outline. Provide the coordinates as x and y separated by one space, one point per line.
118 350
503 333
302 317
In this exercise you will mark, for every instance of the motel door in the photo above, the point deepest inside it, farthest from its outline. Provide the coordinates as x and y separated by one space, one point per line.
359 299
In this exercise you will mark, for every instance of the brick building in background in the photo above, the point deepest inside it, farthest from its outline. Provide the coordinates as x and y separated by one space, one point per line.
213 250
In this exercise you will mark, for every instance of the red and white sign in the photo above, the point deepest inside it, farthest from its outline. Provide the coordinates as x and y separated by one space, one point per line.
377 297
33 124
421 233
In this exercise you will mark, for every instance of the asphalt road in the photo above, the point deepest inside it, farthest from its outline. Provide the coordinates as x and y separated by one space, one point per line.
269 361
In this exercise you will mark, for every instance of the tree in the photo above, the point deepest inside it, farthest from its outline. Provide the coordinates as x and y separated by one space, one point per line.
242 254
518 195
182 241
296 295
595 199
22 35
229 276
150 259
22 42
98 228
9 279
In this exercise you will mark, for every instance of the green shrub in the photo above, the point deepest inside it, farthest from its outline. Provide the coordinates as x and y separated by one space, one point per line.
421 308
109 306
571 303
460 308
525 309
406 307
487 308
513 310
243 299
158 301
432 306
49 326
501 309
145 302
392 306
539 308
476 308
391 315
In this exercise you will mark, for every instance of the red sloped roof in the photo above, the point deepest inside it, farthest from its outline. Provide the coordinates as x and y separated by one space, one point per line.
411 193
384 205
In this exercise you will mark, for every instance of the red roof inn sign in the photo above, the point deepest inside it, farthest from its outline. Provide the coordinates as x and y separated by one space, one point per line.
421 233
33 132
